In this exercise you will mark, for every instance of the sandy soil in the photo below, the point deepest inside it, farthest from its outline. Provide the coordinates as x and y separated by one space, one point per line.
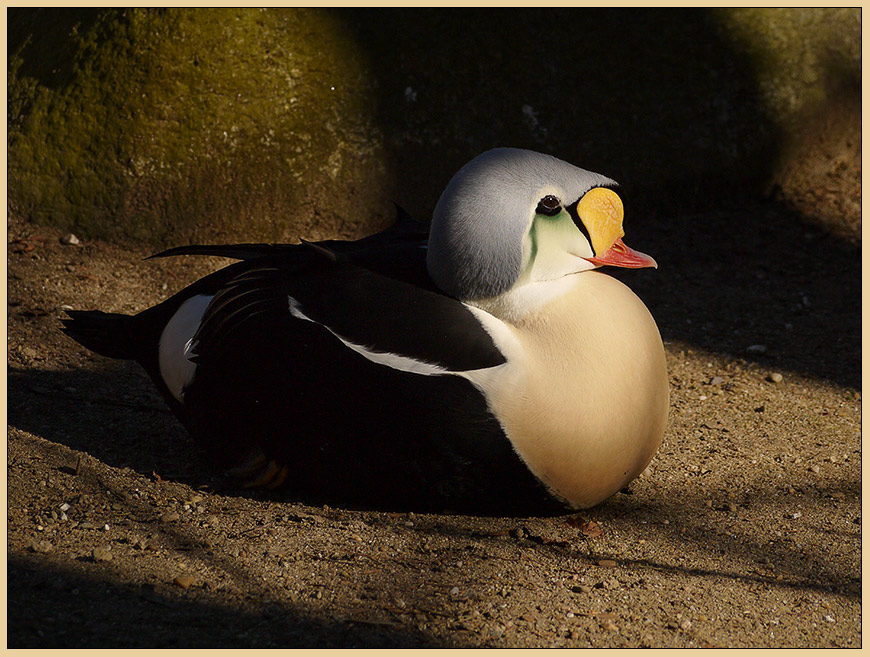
744 531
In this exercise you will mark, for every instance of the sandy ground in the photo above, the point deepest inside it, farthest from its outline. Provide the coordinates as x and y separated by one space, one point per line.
744 531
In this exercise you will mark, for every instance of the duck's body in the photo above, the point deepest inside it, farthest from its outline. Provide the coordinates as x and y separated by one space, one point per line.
513 381
584 405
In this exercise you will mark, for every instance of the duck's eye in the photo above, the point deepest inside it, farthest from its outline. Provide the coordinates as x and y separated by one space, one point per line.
549 206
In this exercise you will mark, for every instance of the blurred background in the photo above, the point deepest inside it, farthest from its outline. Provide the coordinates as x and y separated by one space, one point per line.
735 133
168 125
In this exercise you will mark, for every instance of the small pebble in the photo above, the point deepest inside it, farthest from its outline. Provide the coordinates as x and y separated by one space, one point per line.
686 624
607 563
829 619
717 381
815 468
64 507
732 507
102 553
69 239
43 547
757 348
454 590
775 377
609 625
184 581
793 516
169 516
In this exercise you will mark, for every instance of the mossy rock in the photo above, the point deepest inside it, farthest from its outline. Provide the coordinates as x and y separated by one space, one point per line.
802 58
177 125
172 125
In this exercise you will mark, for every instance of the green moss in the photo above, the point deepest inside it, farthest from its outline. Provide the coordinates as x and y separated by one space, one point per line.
180 124
801 57
167 125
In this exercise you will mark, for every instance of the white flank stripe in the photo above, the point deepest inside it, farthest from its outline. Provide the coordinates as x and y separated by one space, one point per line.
174 347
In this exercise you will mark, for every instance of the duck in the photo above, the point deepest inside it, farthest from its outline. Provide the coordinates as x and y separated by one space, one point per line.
486 363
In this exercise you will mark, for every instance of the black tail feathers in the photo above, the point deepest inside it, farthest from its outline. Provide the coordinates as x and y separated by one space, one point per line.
108 334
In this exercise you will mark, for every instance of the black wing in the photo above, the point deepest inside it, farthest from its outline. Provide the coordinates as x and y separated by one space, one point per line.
397 252
376 312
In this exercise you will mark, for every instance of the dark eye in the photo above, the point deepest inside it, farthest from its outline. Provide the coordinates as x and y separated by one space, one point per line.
549 205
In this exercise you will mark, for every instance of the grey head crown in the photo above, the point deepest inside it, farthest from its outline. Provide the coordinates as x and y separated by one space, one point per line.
476 238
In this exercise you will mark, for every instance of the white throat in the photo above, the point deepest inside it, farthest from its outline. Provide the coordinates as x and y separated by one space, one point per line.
526 297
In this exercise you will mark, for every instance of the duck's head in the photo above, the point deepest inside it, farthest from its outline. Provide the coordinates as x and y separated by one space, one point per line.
512 217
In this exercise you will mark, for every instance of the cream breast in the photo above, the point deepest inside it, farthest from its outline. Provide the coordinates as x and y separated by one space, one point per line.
584 395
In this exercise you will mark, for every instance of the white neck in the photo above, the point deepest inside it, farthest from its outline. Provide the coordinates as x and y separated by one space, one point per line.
526 297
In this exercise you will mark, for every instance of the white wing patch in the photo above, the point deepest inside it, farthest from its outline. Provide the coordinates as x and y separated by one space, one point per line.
396 361
175 343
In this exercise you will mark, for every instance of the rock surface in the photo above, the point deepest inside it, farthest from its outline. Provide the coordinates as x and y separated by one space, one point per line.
179 125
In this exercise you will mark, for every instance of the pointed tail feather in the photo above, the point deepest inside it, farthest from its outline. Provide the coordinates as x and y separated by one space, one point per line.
108 334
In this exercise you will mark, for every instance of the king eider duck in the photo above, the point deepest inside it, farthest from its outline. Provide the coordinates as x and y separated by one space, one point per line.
490 368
